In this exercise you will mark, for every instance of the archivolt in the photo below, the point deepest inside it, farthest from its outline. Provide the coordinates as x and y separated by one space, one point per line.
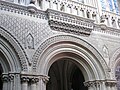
15 45
52 42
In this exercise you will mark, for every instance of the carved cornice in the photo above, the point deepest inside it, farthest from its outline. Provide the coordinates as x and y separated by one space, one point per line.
69 23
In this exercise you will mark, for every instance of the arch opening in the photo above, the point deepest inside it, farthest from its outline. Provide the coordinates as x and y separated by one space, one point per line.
65 75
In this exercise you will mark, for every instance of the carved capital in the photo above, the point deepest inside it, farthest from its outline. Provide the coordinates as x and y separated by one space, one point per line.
34 80
11 77
93 83
111 83
5 78
25 79
89 84
45 79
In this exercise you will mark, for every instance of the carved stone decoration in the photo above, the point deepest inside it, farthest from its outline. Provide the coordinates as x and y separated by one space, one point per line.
70 24
5 78
29 42
31 7
105 52
119 22
45 79
111 83
11 77
25 79
34 80
103 21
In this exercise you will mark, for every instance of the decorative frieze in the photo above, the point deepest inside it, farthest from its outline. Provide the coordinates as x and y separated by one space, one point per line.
69 23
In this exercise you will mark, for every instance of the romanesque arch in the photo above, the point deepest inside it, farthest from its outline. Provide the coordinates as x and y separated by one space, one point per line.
90 62
12 61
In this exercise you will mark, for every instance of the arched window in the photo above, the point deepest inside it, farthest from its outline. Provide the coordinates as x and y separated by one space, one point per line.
103 4
110 5
116 6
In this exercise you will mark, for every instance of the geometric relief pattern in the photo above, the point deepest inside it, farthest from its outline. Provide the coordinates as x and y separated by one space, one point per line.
20 28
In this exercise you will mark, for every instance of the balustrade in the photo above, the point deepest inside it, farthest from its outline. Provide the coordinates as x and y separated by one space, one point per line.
111 19
78 8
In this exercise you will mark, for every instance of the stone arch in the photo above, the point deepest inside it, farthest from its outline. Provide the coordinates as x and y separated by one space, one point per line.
51 49
114 61
14 49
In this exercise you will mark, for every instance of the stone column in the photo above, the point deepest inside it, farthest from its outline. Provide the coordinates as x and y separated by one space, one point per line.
33 83
5 80
103 86
43 80
24 81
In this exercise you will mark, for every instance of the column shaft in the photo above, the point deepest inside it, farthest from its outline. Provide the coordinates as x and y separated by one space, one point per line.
24 86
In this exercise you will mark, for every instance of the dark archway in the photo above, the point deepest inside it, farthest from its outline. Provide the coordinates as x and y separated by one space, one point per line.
77 80
1 83
65 75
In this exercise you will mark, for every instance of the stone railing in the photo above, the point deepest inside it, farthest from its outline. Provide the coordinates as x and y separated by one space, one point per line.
69 23
110 19
70 7
67 6
107 21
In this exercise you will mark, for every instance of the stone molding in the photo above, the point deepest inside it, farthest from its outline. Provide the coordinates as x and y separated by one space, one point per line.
69 23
